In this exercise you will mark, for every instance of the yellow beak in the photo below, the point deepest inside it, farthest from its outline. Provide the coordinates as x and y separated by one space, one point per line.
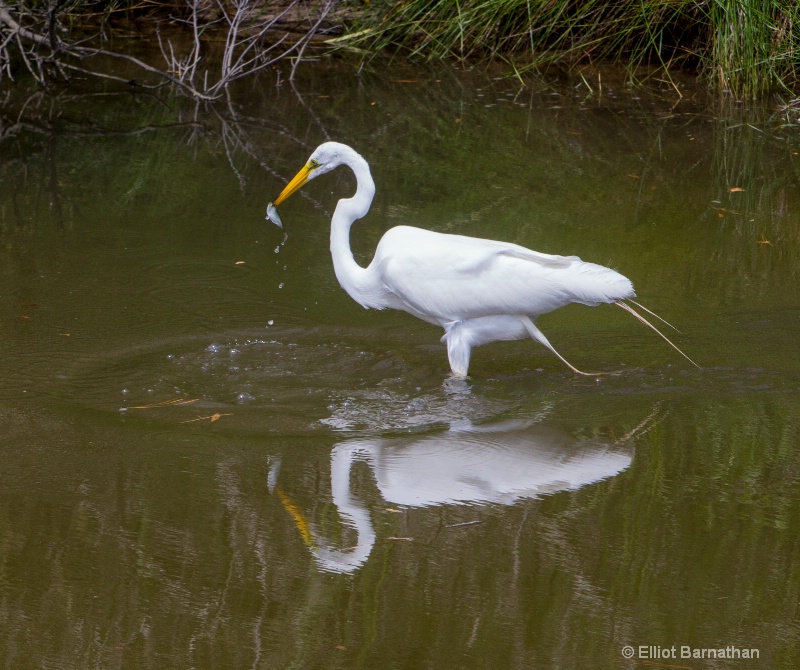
299 179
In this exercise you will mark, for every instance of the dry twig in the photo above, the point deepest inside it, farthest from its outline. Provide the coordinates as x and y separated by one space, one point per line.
34 32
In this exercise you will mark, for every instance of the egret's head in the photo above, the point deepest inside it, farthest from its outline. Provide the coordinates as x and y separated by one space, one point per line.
325 157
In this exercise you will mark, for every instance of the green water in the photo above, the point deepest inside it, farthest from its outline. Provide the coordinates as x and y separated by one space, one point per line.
213 458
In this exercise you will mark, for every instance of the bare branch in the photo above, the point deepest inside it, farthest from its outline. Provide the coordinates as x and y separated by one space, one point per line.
245 50
17 29
307 39
88 51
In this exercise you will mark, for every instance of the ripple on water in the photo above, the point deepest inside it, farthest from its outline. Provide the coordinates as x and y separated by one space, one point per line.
296 380
389 407
278 381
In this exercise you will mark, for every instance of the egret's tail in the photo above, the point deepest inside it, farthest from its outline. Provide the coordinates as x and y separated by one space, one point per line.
630 310
651 313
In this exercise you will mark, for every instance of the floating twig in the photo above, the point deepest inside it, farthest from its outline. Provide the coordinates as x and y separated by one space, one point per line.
465 523
211 417
166 403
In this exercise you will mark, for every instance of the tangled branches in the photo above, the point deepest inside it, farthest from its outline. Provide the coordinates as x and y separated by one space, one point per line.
34 37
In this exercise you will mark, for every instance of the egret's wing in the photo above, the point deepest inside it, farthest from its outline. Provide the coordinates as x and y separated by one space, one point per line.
484 253
451 277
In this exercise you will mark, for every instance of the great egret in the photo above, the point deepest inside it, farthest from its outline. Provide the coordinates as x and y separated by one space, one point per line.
478 290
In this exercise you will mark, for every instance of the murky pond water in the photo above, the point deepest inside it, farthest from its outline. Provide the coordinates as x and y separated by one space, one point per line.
213 458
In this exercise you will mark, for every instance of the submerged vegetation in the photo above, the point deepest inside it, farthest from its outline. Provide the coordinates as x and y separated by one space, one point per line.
744 47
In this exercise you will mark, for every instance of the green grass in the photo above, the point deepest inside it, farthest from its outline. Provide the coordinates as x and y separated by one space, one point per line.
754 45
747 47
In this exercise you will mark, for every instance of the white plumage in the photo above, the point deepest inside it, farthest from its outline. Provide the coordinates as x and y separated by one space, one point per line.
479 291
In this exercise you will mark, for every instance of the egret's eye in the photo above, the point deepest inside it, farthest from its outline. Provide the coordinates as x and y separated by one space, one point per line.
313 164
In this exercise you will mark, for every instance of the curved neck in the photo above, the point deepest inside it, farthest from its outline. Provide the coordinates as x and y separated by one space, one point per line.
348 272
351 511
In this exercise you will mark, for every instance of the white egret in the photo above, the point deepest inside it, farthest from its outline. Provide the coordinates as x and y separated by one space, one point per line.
479 291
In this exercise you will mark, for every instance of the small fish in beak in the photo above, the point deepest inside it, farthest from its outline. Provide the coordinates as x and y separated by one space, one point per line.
272 215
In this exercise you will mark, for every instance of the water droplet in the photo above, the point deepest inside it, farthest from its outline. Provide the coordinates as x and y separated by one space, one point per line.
244 396
270 322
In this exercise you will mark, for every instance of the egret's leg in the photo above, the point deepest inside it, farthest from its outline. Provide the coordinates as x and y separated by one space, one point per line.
537 335
458 349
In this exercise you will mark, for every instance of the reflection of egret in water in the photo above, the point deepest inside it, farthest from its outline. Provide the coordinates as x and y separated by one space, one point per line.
500 463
